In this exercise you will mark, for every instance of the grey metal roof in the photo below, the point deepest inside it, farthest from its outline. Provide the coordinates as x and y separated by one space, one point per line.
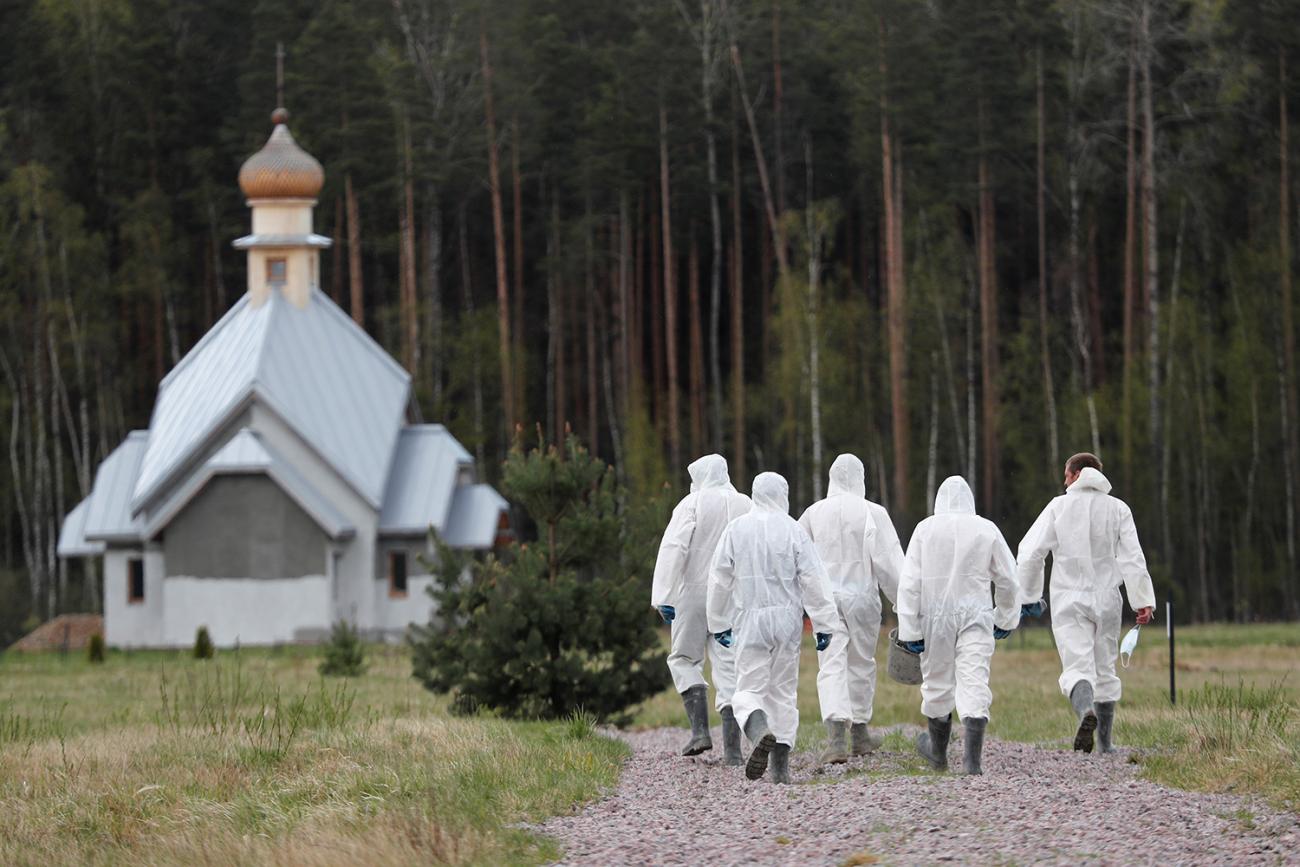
314 366
422 480
72 535
108 517
246 453
475 513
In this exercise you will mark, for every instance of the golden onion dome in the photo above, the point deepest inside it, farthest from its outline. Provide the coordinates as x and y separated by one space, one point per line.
281 169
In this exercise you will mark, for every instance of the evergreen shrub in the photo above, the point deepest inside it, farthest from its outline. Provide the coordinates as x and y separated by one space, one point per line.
345 656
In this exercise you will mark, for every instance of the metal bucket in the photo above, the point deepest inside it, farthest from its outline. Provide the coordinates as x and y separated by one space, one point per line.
903 666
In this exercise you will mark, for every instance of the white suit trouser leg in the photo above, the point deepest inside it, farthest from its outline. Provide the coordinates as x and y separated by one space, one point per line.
1086 626
767 679
955 667
691 641
846 670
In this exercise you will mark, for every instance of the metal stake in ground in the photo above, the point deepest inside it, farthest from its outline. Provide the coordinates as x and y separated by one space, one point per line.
1169 630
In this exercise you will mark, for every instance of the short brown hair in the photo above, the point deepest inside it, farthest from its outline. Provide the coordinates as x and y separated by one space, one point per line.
1077 463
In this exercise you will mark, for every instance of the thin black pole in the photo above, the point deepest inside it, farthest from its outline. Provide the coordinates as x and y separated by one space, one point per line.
1169 628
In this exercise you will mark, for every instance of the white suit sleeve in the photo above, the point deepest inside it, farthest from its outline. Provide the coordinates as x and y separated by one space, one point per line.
886 558
815 586
1133 563
671 562
722 581
1034 548
1006 591
908 605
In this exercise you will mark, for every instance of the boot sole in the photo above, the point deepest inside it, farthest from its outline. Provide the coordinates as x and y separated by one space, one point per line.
756 766
1083 737
694 748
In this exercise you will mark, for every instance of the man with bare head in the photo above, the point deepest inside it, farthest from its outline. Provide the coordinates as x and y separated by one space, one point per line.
1094 546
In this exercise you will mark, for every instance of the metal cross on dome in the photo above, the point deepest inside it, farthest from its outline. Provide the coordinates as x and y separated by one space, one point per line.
279 74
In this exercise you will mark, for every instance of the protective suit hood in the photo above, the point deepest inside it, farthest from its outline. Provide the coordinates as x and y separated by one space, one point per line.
1090 479
709 471
954 498
771 493
847 476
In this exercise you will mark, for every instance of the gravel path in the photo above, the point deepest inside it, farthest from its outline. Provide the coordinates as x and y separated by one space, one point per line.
1032 805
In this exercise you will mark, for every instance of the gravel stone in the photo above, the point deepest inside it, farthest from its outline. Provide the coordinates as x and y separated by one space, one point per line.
1033 804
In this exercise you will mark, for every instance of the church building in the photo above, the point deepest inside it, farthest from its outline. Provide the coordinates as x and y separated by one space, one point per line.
280 486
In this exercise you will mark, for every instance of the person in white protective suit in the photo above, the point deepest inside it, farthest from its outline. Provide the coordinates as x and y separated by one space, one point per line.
679 594
859 547
945 612
766 573
1094 546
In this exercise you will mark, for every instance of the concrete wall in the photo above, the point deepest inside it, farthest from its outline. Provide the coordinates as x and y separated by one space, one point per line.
128 624
395 614
244 526
245 610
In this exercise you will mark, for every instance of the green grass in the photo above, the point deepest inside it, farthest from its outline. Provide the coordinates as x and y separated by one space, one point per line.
1235 727
157 758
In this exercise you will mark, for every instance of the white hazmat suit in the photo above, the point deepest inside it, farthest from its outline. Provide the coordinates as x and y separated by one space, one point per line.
859 547
766 573
1094 546
943 598
682 574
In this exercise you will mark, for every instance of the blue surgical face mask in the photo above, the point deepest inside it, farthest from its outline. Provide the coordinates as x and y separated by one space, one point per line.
1128 645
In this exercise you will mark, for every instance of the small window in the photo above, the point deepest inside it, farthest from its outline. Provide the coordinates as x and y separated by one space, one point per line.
276 269
397 573
135 581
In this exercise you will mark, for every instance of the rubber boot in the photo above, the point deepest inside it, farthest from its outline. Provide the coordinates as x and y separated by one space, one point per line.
1105 722
781 763
730 738
1081 700
764 742
696 700
863 741
933 744
837 742
974 743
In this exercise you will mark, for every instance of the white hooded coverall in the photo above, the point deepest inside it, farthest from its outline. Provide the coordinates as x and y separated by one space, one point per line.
859 547
765 574
943 597
682 575
1094 546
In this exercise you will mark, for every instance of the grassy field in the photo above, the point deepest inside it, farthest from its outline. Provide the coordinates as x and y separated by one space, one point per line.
156 758
1236 725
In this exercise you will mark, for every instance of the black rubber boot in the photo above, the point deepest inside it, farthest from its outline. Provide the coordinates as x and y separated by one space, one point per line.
974 744
730 738
764 742
1081 700
781 763
1105 722
933 744
863 741
837 742
696 700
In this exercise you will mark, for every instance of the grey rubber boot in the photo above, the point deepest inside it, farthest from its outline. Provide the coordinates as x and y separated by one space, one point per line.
730 738
696 700
837 742
781 763
862 740
1105 722
1081 700
764 742
975 744
933 744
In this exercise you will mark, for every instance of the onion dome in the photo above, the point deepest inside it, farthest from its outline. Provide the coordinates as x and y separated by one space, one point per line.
281 169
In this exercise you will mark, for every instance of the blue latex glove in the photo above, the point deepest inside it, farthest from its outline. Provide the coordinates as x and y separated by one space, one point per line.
667 612
823 641
723 638
1035 610
1000 634
914 646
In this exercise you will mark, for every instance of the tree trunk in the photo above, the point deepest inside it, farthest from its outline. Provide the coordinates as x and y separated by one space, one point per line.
589 309
433 286
737 311
773 217
814 232
708 72
557 307
467 319
1044 345
697 347
411 323
1289 593
896 294
519 349
778 125
336 269
1130 263
499 237
670 294
657 319
988 322
354 251
1150 234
